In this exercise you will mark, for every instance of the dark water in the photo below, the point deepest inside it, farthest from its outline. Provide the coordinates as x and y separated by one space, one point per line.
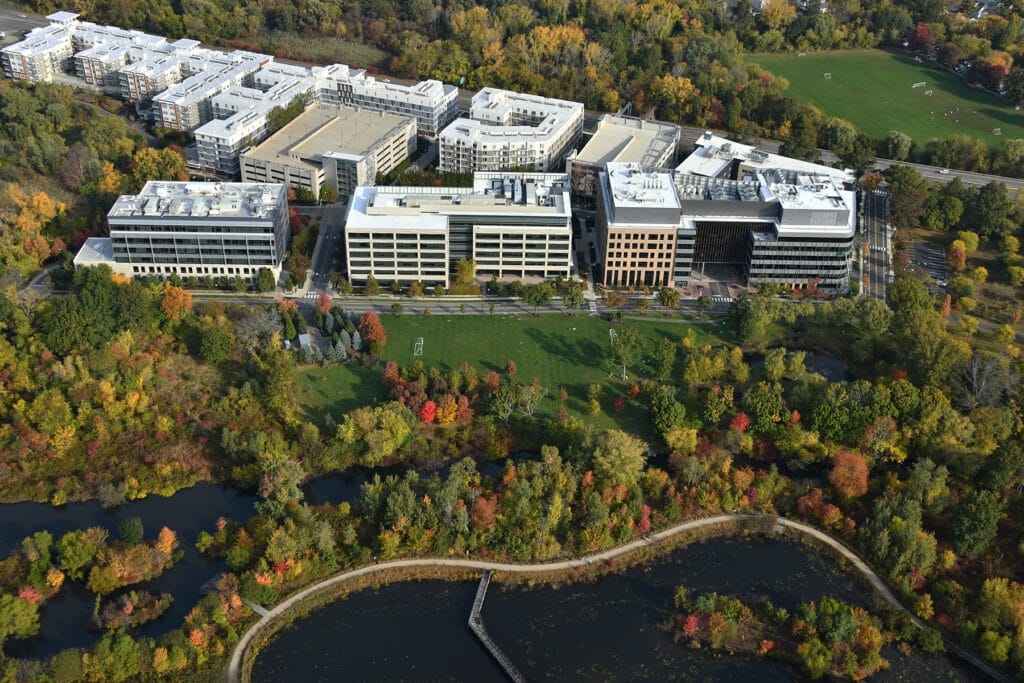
588 632
829 367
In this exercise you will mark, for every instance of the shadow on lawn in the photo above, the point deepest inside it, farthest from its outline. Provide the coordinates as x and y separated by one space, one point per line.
579 352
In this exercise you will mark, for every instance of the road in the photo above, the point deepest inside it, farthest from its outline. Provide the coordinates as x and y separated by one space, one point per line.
876 265
330 217
16 24
234 670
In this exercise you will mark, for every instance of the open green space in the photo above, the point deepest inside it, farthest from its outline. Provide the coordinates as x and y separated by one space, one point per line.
873 90
560 351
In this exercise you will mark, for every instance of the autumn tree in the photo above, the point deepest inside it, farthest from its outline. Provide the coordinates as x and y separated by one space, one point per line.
619 458
957 256
323 302
176 302
372 332
849 474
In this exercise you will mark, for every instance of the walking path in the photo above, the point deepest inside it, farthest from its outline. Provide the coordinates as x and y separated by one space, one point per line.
235 665
476 625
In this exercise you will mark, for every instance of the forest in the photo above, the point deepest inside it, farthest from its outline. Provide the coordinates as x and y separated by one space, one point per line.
63 162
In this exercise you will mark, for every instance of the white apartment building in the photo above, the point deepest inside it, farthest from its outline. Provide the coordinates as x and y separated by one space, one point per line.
511 130
335 146
241 119
512 224
230 92
187 105
195 229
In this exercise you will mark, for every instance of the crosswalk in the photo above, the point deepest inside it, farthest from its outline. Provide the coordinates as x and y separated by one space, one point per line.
311 295
723 299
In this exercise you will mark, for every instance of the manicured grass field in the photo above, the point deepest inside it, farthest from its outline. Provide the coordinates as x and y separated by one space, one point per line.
872 89
561 352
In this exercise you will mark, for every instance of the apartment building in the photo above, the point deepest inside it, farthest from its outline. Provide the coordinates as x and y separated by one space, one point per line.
511 130
45 51
198 229
189 104
622 139
432 103
333 146
512 224
661 228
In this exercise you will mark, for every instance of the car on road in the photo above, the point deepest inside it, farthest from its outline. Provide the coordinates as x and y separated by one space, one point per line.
21 16
944 171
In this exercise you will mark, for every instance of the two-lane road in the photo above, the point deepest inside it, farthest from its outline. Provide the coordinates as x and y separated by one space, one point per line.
876 261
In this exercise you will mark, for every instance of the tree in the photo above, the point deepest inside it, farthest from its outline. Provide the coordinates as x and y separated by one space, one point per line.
957 256
130 530
215 343
447 409
323 302
909 193
975 522
371 288
849 474
530 395
896 145
18 618
626 348
777 14
265 281
989 211
176 302
704 302
619 458
465 271
372 332
668 297
537 295
572 297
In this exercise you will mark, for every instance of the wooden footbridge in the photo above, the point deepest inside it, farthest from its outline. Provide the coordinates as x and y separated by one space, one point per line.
476 624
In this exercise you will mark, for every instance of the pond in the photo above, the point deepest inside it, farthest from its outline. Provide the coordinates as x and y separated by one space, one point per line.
829 367
607 630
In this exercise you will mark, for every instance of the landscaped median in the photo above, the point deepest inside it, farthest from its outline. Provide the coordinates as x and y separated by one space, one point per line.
321 593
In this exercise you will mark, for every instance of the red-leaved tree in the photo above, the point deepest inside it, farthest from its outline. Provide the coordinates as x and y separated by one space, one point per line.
372 332
740 422
428 412
849 474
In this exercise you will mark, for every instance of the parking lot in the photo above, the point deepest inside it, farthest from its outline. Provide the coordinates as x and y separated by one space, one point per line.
15 25
931 260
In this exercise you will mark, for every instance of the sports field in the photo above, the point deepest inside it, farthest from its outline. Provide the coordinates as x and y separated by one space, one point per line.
873 89
560 351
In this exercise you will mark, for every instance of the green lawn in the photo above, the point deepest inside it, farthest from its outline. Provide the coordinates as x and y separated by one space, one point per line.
872 89
559 351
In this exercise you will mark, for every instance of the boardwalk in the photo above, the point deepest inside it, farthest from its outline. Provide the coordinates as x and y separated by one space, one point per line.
234 670
476 624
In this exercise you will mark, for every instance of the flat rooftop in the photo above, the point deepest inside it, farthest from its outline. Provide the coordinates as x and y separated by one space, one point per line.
629 140
323 129
95 251
714 155
632 187
522 194
162 199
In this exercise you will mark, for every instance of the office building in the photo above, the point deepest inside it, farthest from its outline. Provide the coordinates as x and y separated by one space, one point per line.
508 130
333 146
196 229
663 228
513 224
622 139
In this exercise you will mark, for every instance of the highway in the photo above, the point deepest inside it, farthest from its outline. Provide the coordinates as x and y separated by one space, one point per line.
876 263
